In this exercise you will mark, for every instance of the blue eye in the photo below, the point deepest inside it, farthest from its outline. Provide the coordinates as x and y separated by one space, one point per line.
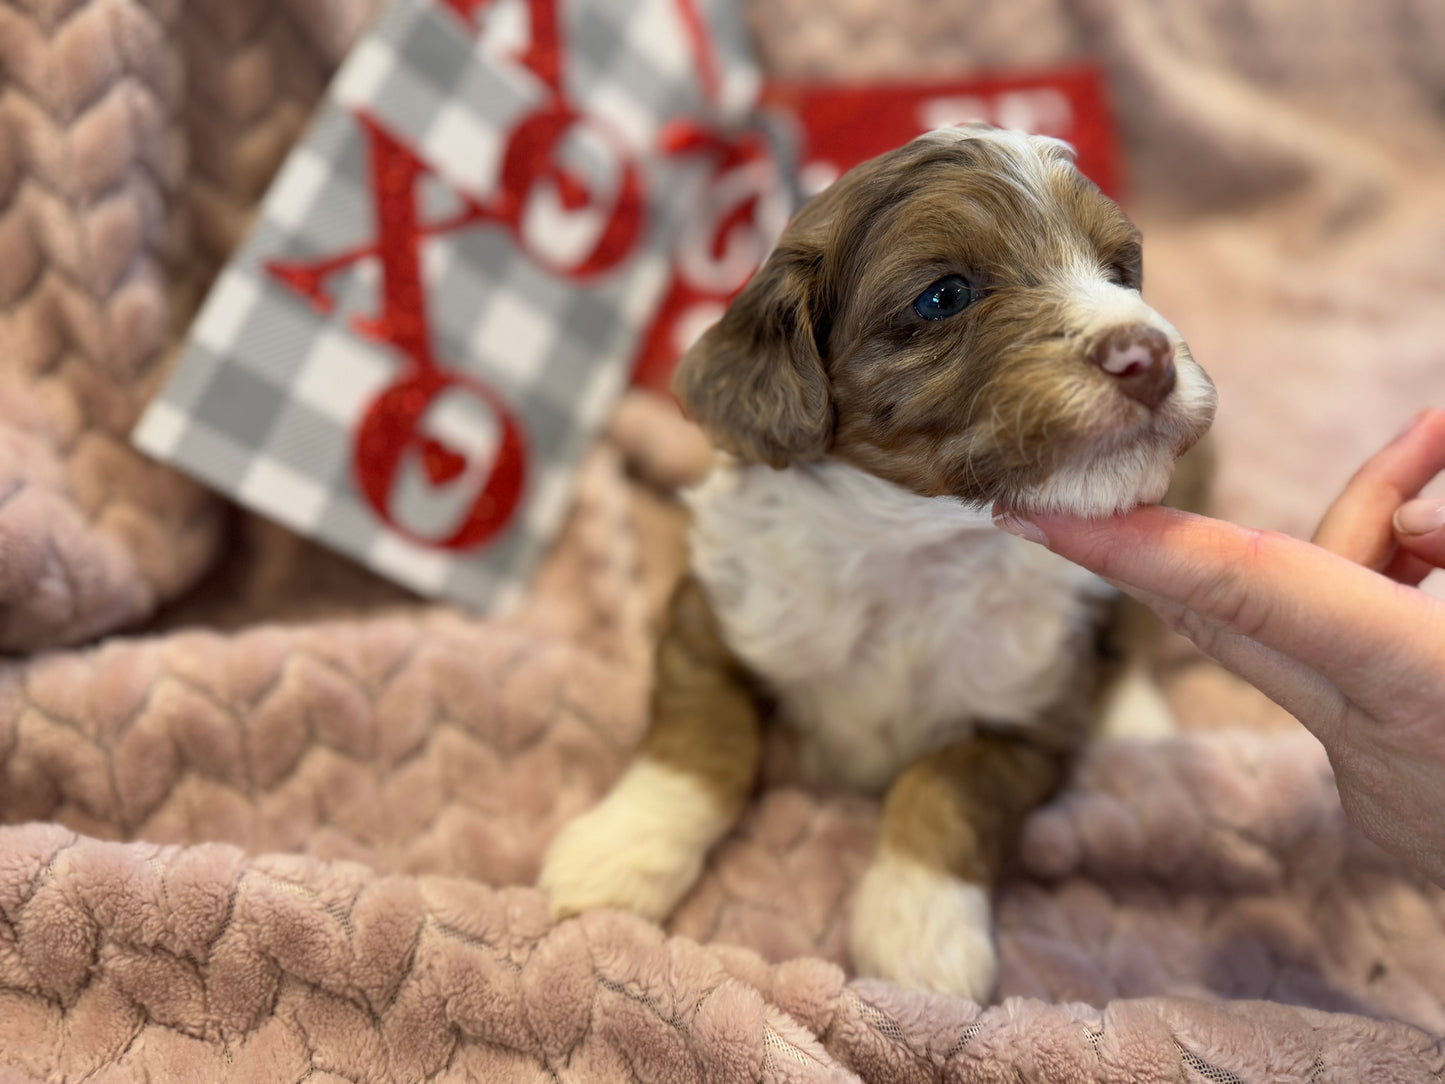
947 297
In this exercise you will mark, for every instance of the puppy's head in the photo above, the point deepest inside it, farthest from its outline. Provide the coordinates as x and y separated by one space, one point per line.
960 316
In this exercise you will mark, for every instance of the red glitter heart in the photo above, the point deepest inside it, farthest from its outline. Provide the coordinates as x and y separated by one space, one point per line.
442 464
573 191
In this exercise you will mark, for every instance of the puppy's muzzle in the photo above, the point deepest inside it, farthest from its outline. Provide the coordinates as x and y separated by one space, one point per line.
1141 361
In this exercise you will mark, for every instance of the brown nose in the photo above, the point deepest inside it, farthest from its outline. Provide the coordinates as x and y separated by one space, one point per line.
1140 359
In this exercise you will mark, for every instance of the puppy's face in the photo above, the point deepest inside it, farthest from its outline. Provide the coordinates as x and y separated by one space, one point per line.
962 317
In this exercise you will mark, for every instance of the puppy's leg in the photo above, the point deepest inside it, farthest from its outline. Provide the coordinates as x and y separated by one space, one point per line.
922 916
643 846
1131 703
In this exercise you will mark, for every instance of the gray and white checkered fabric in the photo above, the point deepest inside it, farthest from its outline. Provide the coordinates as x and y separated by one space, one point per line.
270 390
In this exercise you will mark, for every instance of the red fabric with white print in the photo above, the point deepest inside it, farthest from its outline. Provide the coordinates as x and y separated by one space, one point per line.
844 125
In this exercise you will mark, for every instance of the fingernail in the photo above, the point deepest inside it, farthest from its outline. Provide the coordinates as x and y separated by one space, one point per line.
1420 517
1026 529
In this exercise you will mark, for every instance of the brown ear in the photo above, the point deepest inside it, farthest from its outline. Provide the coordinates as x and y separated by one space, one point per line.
755 380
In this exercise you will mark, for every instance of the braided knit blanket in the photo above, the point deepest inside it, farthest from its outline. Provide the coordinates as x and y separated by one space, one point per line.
281 822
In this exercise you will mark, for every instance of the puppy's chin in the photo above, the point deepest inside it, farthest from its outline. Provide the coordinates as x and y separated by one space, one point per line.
1119 469
1100 484
1125 459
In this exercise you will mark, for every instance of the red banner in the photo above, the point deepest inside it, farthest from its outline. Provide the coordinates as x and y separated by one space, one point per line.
844 125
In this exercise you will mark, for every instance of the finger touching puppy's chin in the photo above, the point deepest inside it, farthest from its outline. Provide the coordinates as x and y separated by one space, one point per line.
1100 472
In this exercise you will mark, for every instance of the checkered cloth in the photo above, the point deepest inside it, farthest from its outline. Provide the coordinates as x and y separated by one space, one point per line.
267 398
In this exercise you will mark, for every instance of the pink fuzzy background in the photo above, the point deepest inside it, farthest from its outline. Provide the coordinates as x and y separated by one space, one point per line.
270 846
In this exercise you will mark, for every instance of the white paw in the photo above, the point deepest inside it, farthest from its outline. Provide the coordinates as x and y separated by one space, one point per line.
1135 708
641 849
921 927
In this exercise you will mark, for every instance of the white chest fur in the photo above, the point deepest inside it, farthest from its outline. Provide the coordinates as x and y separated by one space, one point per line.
886 623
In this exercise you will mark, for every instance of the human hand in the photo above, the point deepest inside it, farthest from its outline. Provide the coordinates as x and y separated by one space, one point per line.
1378 521
1334 630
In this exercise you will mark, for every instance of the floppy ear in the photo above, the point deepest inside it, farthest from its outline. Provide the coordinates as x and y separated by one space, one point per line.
755 380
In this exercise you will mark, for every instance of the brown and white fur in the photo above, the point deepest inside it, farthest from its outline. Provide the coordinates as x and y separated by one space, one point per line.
846 573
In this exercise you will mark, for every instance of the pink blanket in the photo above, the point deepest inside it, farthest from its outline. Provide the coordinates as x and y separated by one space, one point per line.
282 822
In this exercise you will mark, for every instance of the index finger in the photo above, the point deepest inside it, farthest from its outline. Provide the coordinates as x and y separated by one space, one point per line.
1293 597
1358 524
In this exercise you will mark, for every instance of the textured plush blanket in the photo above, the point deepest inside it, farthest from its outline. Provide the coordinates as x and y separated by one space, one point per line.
280 824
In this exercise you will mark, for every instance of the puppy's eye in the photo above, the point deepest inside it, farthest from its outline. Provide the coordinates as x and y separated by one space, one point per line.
1126 267
947 297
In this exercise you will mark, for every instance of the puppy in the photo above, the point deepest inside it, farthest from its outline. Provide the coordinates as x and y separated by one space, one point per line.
951 328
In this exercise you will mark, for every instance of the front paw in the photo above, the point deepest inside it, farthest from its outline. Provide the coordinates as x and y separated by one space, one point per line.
641 849
923 928
1135 708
